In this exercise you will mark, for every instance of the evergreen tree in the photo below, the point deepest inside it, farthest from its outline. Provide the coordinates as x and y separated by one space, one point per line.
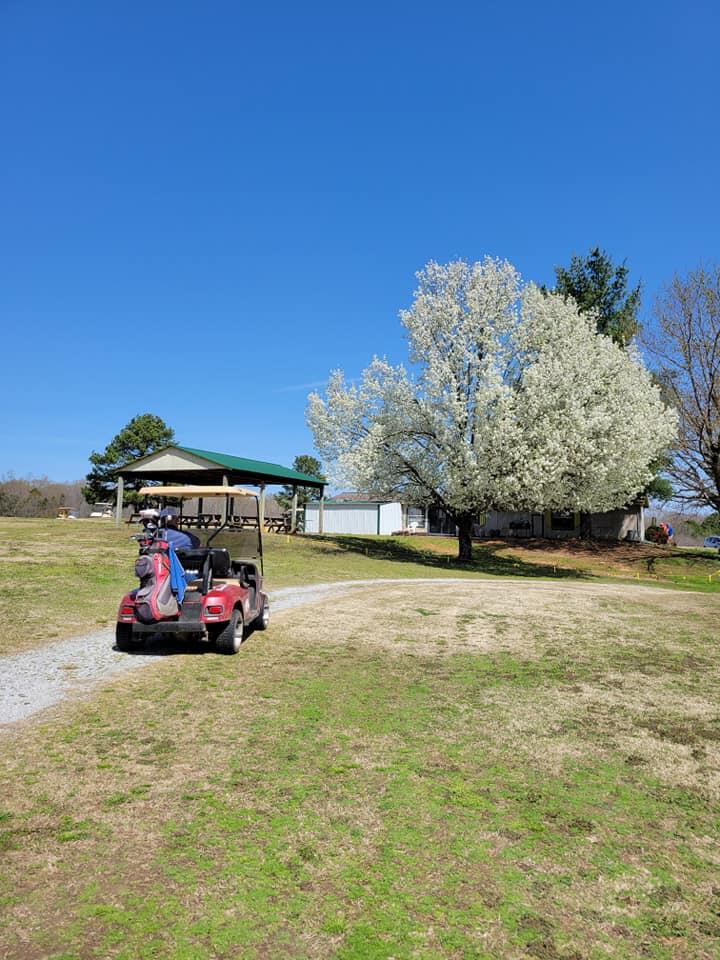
708 526
595 283
304 463
142 435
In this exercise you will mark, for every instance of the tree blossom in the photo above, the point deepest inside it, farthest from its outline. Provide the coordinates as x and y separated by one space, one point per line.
511 401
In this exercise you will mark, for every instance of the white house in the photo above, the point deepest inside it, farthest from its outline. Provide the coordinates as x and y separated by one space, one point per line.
351 513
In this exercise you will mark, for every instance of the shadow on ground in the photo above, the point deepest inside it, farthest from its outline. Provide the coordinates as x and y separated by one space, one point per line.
486 557
159 645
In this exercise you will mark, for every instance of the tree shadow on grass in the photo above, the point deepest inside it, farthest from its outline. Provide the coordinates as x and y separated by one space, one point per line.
486 557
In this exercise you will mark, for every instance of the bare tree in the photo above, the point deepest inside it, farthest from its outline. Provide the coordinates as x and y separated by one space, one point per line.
38 496
685 345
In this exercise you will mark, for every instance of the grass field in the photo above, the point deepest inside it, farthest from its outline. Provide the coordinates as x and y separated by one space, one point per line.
61 578
492 770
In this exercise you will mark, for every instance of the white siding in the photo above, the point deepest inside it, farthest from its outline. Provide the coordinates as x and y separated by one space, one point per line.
390 518
312 518
342 518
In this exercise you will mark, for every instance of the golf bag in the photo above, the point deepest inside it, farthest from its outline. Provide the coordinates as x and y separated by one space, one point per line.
155 599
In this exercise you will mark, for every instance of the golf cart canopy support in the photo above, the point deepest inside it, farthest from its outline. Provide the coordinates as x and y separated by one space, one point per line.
190 466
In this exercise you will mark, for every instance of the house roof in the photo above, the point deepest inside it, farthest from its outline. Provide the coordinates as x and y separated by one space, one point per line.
176 464
354 497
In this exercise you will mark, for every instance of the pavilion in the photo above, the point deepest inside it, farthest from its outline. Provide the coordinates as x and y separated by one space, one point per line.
187 465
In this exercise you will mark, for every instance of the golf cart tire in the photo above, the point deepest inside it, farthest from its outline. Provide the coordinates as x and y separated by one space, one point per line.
124 638
228 639
263 618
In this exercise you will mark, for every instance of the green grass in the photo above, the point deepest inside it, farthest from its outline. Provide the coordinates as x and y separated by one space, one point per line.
63 578
416 776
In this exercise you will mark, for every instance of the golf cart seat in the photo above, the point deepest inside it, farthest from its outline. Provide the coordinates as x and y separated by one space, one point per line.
194 559
247 573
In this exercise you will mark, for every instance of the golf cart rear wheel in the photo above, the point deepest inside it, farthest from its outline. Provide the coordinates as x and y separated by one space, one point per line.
124 638
229 638
263 618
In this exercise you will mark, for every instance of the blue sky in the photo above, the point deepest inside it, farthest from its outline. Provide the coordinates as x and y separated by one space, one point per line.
205 207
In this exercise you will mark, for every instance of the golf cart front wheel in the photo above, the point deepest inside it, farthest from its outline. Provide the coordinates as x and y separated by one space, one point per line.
230 637
263 618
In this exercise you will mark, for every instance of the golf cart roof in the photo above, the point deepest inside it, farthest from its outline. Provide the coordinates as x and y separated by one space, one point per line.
185 493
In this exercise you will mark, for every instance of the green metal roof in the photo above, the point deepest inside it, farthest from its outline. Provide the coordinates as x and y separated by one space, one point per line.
215 468
256 467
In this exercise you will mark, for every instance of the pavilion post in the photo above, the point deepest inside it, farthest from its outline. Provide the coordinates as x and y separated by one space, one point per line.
293 511
119 501
321 513
261 518
225 483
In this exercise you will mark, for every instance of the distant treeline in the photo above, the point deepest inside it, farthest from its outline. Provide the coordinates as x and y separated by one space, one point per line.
39 497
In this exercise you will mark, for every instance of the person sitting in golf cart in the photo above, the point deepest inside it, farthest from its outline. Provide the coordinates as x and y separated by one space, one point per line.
180 539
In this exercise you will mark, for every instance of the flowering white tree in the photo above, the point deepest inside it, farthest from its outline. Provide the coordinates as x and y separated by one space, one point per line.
512 401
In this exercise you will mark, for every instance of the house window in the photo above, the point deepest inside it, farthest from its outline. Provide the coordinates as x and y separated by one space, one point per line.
416 518
563 520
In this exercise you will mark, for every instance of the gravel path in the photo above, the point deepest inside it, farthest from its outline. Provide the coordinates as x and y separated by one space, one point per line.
39 678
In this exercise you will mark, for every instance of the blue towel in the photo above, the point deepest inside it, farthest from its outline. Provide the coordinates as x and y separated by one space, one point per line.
177 575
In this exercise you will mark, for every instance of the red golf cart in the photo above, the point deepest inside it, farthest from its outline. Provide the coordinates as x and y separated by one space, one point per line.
213 592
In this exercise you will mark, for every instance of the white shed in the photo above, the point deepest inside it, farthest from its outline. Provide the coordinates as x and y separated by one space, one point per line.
354 516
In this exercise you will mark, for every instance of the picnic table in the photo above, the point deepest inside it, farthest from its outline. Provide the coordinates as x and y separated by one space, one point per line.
235 522
276 525
202 521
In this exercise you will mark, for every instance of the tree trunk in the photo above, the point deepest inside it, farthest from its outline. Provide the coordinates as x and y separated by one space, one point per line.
585 526
465 524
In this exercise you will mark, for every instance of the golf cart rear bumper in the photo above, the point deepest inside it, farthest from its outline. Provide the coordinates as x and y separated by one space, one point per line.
170 626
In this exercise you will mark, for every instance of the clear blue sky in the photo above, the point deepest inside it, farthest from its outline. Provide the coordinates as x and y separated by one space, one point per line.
204 207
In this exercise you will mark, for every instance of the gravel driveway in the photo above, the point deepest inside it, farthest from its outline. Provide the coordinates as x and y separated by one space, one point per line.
39 678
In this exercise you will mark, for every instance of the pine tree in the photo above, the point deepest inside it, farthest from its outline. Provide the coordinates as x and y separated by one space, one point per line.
595 283
304 463
142 435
